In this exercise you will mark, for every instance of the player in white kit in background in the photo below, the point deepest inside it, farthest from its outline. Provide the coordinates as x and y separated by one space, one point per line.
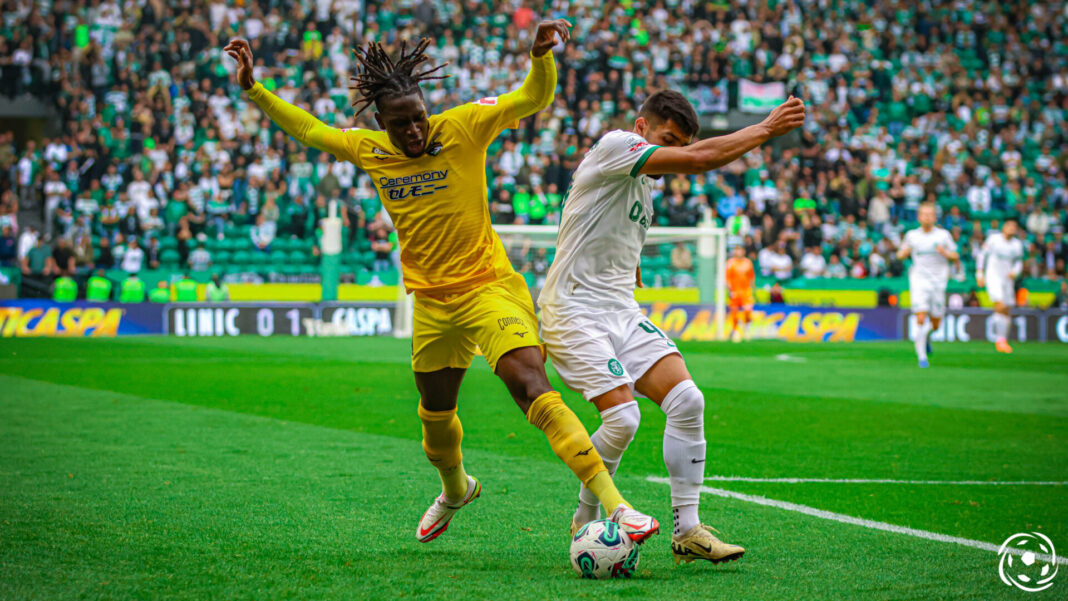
932 249
599 341
1000 261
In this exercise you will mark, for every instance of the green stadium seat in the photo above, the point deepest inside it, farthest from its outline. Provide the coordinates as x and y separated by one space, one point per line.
169 257
389 278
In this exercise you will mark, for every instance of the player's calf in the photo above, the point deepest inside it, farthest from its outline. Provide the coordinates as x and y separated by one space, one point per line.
619 423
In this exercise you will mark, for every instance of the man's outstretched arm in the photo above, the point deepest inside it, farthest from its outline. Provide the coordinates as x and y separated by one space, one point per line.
538 88
296 122
712 153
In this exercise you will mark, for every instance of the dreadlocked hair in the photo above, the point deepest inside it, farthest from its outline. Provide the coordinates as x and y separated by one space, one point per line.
378 76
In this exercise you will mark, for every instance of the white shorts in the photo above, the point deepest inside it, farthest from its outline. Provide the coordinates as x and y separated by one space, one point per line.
597 351
1001 290
927 297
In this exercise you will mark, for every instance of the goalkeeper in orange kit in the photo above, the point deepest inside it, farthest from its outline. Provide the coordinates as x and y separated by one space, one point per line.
740 281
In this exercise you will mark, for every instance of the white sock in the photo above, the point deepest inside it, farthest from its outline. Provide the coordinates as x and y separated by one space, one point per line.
1002 324
921 340
618 425
684 451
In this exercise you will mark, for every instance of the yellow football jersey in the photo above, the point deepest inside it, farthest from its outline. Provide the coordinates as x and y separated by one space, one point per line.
437 201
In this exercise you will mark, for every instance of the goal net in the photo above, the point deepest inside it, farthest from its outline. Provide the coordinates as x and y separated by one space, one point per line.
678 264
695 274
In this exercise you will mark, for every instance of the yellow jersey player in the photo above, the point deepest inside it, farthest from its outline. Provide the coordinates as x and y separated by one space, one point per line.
430 174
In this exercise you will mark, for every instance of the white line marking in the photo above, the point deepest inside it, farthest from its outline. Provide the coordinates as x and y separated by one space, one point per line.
848 519
790 358
883 481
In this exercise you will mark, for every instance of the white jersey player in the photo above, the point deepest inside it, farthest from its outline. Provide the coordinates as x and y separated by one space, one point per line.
1000 261
599 341
932 250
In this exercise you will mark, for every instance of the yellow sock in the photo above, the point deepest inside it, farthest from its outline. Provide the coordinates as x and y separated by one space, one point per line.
573 446
442 434
602 486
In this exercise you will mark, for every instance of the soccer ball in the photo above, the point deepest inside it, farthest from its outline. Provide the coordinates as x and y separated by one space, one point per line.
602 550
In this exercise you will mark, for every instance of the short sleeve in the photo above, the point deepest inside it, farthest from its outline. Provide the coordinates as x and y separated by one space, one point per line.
621 153
907 242
950 244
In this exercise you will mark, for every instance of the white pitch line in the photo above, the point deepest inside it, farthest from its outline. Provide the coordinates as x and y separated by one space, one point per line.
848 519
882 481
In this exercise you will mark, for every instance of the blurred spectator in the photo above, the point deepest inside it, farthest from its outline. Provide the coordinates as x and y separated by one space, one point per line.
152 253
681 257
130 224
83 254
38 260
216 291
105 259
382 248
1061 300
775 295
813 265
133 258
775 262
160 294
263 232
9 244
200 259
63 255
98 288
835 269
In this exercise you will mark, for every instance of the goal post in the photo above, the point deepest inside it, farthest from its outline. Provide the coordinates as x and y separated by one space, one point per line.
532 247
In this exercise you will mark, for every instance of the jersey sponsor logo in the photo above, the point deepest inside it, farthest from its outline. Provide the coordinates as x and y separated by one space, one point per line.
614 367
487 101
504 322
380 154
409 186
636 146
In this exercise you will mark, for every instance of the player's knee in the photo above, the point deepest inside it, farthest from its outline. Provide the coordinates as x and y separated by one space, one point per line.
685 405
621 422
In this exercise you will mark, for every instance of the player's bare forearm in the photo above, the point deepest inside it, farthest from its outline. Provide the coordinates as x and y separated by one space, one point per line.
903 253
713 153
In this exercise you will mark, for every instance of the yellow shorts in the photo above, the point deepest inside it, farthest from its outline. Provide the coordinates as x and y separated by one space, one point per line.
498 317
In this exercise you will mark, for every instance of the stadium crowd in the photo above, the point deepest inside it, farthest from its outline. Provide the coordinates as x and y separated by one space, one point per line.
159 159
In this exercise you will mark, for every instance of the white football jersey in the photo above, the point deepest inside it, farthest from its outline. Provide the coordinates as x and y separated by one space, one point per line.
1002 257
927 263
607 211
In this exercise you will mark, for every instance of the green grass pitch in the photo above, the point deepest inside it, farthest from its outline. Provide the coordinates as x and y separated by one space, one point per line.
162 468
